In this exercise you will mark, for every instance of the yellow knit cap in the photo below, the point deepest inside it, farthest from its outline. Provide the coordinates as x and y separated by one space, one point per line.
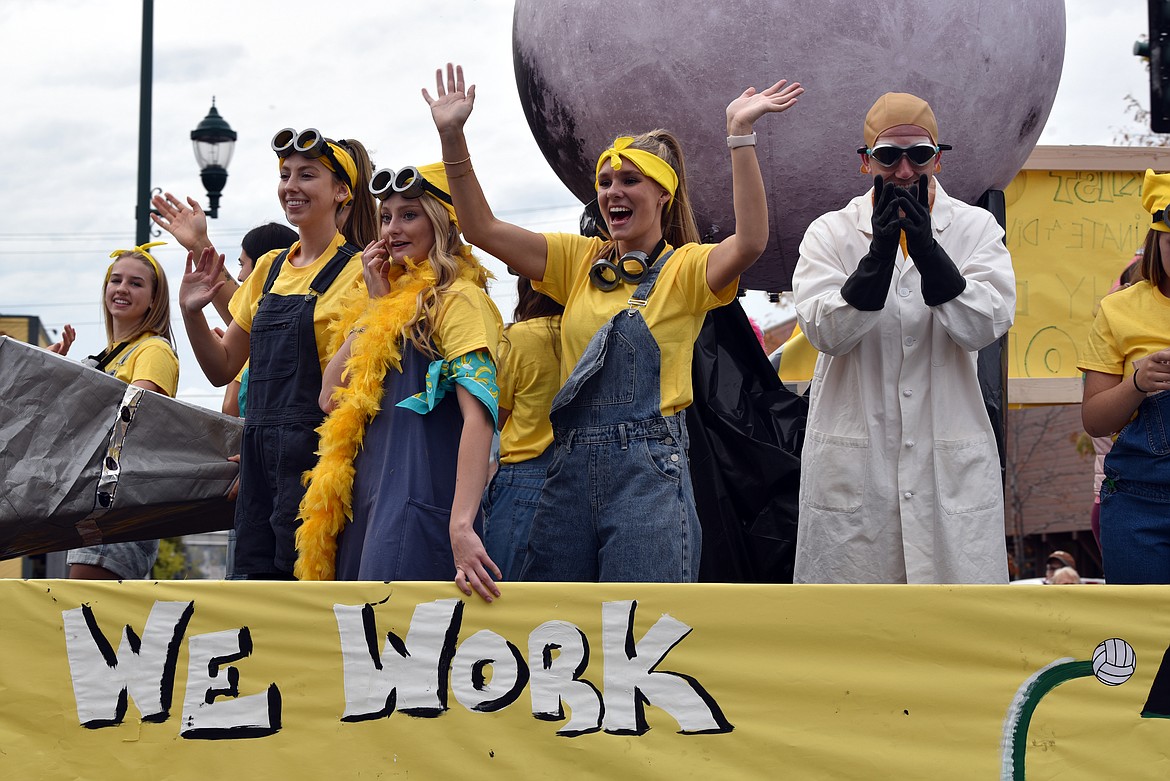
1155 198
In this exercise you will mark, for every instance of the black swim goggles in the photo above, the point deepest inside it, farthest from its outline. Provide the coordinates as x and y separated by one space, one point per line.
311 143
888 155
606 274
408 183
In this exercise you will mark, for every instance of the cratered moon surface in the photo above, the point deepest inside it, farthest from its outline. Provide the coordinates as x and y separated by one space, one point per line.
590 70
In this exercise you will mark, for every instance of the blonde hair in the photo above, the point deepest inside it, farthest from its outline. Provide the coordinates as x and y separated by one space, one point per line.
157 319
361 224
447 260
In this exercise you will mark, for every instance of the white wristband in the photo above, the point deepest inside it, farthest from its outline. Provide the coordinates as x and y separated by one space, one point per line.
734 142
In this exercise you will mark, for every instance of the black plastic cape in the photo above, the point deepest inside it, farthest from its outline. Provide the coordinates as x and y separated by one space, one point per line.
746 432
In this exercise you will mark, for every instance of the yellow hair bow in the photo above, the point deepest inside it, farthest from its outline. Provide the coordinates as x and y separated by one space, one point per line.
648 163
141 249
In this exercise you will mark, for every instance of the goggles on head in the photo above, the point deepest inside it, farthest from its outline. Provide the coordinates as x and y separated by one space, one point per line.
888 155
408 183
311 143
1162 216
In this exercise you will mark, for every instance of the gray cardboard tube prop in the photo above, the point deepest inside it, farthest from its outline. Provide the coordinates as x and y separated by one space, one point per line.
84 458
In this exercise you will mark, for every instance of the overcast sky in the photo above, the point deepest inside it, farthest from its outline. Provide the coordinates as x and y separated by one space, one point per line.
69 82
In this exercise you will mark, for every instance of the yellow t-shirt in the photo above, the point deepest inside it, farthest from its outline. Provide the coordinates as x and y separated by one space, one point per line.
529 377
149 357
1130 325
295 280
468 321
799 359
674 314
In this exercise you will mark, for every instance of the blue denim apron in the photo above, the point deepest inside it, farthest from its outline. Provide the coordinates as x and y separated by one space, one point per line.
617 503
404 485
1135 498
280 439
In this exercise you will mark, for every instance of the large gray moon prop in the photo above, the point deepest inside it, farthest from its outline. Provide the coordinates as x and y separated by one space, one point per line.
590 70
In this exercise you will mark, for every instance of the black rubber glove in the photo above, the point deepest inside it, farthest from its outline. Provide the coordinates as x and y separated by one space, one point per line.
941 280
868 285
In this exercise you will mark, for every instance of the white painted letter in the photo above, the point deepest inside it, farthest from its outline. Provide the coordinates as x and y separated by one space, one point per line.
253 716
412 678
556 681
144 669
509 673
631 679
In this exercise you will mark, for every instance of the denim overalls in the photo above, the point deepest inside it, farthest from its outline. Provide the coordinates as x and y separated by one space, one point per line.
280 438
509 504
617 503
1135 498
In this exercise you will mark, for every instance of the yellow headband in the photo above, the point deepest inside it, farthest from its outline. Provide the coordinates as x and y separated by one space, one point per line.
1156 198
347 163
141 249
435 175
349 175
648 163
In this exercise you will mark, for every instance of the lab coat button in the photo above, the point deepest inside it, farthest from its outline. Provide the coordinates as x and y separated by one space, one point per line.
908 495
907 393
910 340
903 291
909 443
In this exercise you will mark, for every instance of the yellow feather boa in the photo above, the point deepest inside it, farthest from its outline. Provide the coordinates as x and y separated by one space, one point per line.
377 348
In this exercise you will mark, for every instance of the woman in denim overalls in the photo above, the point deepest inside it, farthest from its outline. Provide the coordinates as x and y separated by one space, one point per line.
617 504
281 317
1127 374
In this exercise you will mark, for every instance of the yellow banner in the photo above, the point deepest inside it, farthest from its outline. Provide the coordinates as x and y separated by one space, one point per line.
204 680
1071 233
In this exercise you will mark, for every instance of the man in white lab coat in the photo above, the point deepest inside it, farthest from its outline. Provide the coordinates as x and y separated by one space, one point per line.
900 479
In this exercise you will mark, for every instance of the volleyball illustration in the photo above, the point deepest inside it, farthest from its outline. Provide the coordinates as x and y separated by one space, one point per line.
1114 662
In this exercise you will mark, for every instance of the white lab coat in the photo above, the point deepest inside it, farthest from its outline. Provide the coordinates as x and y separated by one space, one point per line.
900 477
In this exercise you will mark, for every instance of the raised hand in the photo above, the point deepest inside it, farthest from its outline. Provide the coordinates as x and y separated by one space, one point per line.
751 105
885 219
915 206
61 347
452 104
186 222
202 280
376 268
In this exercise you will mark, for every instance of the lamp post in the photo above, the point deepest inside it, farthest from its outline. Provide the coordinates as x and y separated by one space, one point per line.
214 140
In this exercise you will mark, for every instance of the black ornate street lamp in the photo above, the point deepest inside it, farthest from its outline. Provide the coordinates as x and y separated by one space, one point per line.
214 140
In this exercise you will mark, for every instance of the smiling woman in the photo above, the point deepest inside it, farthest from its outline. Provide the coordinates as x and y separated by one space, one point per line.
617 504
281 319
139 351
412 401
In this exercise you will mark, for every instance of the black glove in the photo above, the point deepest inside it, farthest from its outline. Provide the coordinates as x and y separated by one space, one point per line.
868 285
941 280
